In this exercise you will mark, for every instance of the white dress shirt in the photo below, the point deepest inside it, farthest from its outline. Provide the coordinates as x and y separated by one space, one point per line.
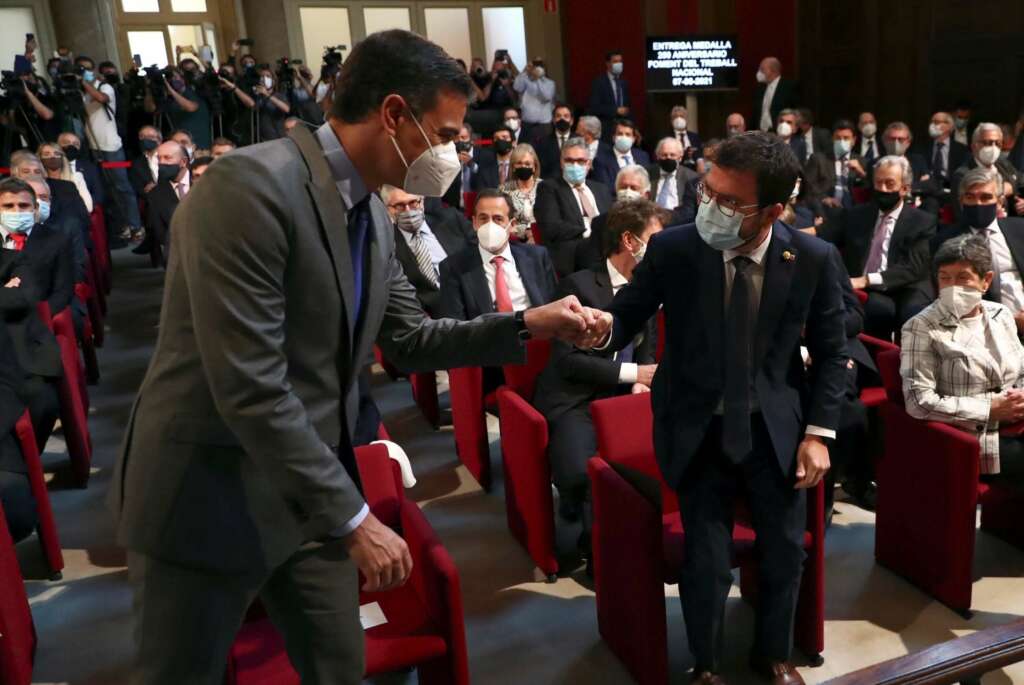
516 289
434 247
154 165
1011 290
628 371
876 278
868 146
579 203
5 239
671 200
766 104
537 98
620 158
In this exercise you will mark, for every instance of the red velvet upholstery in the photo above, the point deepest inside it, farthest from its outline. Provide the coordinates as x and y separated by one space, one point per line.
538 238
523 377
925 463
101 249
64 325
47 528
873 397
661 335
92 368
862 295
73 408
638 542
469 203
92 303
17 632
466 391
425 627
424 393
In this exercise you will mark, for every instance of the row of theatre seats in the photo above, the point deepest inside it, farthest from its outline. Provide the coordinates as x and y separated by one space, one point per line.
80 369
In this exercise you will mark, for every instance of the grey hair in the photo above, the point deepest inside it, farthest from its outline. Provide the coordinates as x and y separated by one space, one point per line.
677 109
634 170
787 112
980 175
946 116
575 141
663 141
387 190
985 127
969 248
19 157
905 171
592 125
898 124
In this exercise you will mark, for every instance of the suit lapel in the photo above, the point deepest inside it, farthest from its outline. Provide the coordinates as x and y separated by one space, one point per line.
778 274
604 285
375 280
712 302
476 282
528 274
1015 241
570 195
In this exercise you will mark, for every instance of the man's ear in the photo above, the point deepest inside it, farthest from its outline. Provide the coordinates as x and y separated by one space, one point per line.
392 110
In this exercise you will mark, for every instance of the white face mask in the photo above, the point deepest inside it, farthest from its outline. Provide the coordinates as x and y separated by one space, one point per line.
539 72
784 129
639 254
869 130
433 171
679 123
988 155
896 147
492 237
512 124
958 300
268 82
761 77
628 194
934 130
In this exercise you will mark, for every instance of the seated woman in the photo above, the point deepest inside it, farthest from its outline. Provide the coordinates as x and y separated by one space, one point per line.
962 362
522 190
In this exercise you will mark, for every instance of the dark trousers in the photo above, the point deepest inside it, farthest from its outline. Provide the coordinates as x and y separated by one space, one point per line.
707 500
186 618
571 443
886 312
44 407
16 499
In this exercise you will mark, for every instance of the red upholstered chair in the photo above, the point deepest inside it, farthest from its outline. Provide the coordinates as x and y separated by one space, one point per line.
661 335
87 338
874 396
535 230
425 628
638 545
928 493
101 254
47 527
862 295
73 400
17 632
422 384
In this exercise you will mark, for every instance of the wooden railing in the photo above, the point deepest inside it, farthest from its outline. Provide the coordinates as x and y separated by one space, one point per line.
963 660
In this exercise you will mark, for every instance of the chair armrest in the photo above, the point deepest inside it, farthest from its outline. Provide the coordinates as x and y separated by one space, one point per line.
1013 430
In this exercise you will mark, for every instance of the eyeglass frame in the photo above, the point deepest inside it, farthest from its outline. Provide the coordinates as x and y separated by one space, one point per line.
704 197
407 206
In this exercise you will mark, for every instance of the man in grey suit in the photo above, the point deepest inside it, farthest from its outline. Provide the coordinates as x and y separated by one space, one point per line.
237 478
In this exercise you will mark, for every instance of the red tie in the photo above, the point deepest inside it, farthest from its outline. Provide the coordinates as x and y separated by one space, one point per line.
502 299
19 241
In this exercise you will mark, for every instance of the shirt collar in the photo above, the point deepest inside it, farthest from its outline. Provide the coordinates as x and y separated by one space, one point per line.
895 214
757 256
617 279
350 184
506 253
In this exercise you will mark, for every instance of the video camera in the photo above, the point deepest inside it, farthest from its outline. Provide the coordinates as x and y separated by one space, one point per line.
333 58
285 75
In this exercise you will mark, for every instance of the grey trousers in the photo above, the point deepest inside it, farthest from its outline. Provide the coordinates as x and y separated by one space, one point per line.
187 618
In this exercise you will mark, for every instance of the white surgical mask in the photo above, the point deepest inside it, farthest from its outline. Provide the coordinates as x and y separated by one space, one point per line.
433 171
492 237
784 129
841 147
268 82
512 124
958 300
869 130
719 231
628 194
641 251
895 147
934 130
617 68
623 144
761 77
679 123
988 155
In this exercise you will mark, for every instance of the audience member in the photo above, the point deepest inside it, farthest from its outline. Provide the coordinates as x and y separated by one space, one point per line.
271 106
566 206
470 157
680 129
71 145
65 202
623 152
609 93
816 139
786 128
549 146
513 121
16 501
495 169
962 125
632 183
867 145
986 149
834 172
674 185
199 167
144 169
773 94
173 183
521 189
51 224
589 128
184 139
536 97
944 154
221 146
735 124
56 165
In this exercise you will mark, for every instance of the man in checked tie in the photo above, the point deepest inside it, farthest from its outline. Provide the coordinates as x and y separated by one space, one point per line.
735 415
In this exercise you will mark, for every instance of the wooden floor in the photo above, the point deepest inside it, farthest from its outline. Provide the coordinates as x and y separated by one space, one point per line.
519 630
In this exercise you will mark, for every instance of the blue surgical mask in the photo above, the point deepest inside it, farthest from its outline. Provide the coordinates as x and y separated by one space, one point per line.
88 76
617 68
44 211
574 174
842 147
719 231
17 222
623 144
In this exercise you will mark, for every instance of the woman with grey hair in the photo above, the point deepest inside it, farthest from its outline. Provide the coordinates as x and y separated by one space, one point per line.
962 362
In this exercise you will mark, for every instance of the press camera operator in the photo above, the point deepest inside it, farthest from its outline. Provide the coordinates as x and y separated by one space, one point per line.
180 101
27 103
270 103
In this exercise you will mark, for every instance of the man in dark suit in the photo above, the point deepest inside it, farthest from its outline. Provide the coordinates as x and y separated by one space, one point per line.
144 170
963 123
172 185
787 129
470 159
944 154
495 167
609 93
869 144
898 141
425 239
773 94
673 185
631 183
574 378
981 201
837 170
816 139
679 128
589 128
549 146
567 206
736 413
622 153
986 148
495 275
885 246
71 144
16 499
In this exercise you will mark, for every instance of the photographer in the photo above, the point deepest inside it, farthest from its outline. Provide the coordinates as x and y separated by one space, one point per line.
496 93
303 96
182 105
324 88
537 95
236 104
271 106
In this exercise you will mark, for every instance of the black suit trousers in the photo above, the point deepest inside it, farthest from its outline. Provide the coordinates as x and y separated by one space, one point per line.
886 312
571 443
707 500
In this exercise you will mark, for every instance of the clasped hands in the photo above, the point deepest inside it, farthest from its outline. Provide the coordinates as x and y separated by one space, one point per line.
568 320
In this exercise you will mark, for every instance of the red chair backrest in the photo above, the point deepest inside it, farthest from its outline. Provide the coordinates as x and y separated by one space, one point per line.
382 483
537 237
523 377
469 203
862 295
17 632
661 335
889 369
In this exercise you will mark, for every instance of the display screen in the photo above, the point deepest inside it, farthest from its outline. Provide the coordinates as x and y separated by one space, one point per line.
681 63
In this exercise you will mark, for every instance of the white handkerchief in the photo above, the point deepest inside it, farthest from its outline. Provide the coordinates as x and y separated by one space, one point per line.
371 615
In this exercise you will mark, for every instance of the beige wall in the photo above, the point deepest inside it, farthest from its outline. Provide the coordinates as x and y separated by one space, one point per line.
266 23
82 26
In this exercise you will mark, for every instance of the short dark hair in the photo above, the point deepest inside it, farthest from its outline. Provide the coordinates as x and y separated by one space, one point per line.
768 158
628 123
85 58
611 53
513 108
396 62
223 141
561 105
201 161
106 64
506 129
492 193
843 124
630 216
16 185
969 248
181 130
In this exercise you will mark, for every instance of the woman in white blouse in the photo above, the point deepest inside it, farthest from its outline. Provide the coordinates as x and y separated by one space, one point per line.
522 188
57 167
962 362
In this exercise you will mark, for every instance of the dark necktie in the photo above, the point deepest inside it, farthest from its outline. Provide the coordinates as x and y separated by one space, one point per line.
736 442
937 167
358 228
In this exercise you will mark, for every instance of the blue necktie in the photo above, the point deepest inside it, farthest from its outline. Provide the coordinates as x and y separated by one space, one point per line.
358 228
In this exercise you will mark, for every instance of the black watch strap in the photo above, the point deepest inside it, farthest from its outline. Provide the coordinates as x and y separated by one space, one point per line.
521 330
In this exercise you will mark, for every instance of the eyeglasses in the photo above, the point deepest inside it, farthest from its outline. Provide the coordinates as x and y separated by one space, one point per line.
727 207
406 206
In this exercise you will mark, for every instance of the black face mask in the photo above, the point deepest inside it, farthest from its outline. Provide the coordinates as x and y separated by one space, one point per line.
71 152
463 146
668 165
523 173
148 144
979 216
503 147
886 201
563 126
168 172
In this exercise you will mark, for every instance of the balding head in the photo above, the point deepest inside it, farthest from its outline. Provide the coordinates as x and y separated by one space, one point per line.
771 67
173 153
735 124
42 190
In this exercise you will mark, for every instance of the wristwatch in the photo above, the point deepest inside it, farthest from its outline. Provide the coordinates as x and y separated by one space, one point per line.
521 330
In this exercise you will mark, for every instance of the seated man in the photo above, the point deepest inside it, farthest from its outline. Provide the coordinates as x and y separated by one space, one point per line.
144 167
567 206
495 169
65 201
221 146
980 204
835 172
574 378
962 362
674 185
624 152
986 153
19 507
51 221
549 146
199 167
173 183
885 246
71 145
421 244
495 275
632 183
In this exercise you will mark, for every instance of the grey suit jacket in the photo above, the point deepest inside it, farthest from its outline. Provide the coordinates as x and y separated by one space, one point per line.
228 461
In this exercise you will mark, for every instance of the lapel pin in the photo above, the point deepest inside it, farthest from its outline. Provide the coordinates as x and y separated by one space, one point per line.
788 256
